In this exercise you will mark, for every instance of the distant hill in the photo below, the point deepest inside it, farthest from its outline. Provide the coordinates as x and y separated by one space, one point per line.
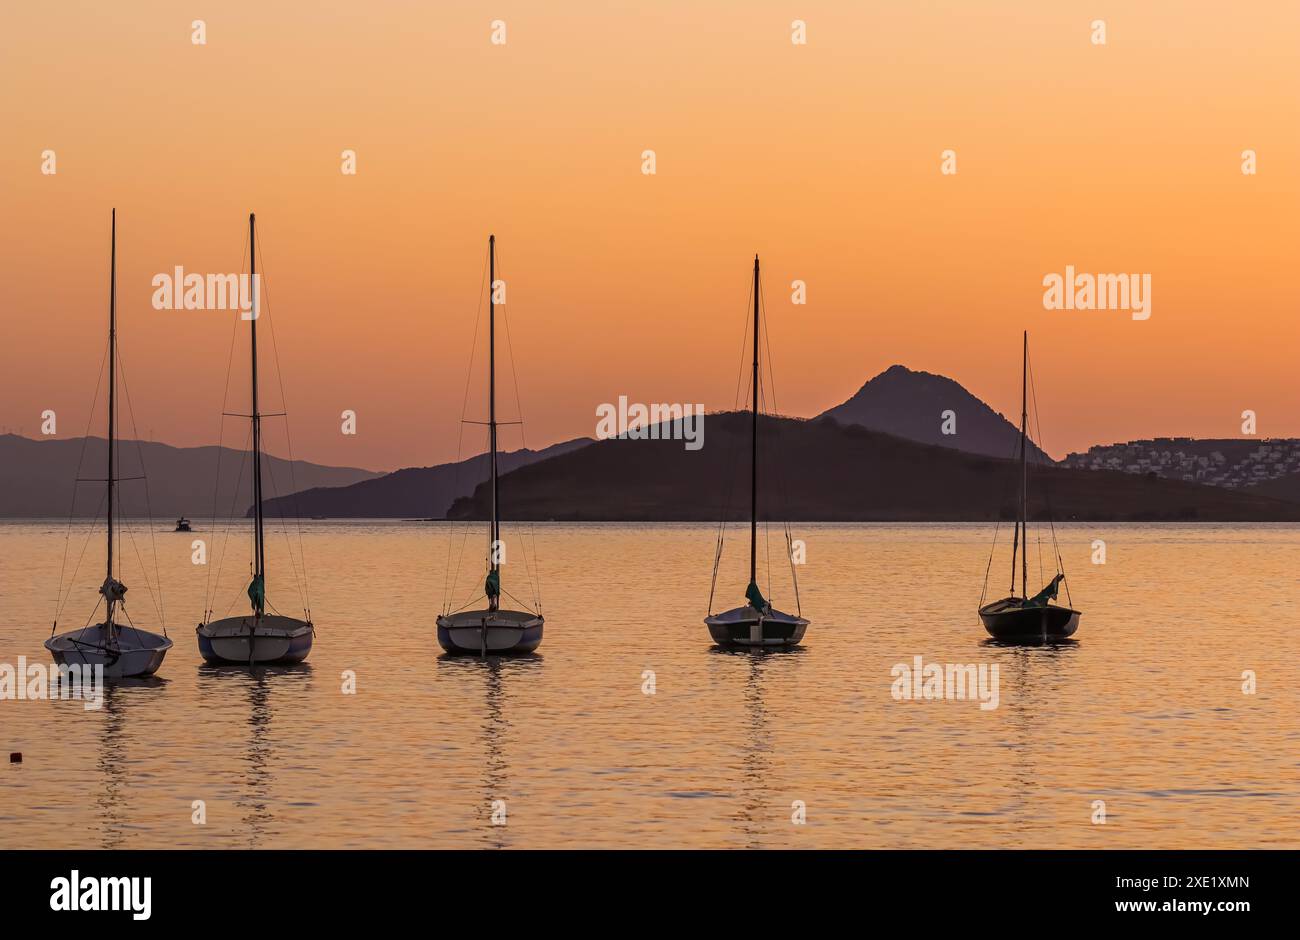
37 478
417 492
1285 487
828 471
911 404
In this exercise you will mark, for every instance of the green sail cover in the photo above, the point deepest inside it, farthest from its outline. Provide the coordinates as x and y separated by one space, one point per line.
755 597
1048 593
257 592
493 585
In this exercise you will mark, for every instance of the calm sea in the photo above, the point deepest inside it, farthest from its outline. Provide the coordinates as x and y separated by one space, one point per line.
1146 712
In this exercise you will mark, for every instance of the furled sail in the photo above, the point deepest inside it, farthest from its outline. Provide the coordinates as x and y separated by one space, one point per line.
113 589
257 592
1046 594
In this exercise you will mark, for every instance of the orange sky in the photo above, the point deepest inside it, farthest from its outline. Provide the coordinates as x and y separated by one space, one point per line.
823 158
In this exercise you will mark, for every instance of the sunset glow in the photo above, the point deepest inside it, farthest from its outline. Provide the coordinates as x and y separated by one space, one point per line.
823 158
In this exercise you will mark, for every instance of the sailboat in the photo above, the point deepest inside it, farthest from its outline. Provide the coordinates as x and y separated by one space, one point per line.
125 651
757 623
1019 618
491 629
256 637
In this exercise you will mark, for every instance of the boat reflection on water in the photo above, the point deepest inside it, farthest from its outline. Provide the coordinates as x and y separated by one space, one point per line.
113 795
759 809
1030 642
1035 675
257 801
489 677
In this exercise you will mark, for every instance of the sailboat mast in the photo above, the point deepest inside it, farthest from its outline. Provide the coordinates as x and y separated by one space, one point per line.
494 526
112 406
1024 469
753 481
259 551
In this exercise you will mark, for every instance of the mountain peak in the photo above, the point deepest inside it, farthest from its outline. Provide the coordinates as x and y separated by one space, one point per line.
898 372
912 404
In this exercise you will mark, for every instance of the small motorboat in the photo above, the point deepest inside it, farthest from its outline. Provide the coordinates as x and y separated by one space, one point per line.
1019 618
757 623
183 525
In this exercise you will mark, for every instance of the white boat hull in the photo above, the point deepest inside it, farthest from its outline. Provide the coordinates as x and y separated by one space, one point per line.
132 653
250 641
479 632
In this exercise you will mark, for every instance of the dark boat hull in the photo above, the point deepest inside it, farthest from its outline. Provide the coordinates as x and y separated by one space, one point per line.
745 627
1006 620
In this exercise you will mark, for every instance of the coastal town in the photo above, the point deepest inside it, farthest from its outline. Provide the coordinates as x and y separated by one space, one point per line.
1231 463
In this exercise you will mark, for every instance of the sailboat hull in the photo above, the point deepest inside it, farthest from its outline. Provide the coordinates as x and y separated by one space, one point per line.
247 641
745 626
1006 620
135 653
499 632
